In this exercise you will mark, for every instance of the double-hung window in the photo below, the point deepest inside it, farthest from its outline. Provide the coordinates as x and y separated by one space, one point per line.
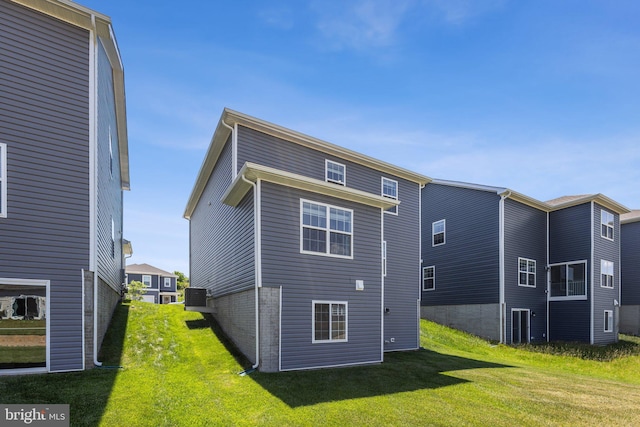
438 232
146 279
3 180
326 229
607 221
330 321
390 190
569 280
526 272
608 321
167 282
429 278
335 172
606 274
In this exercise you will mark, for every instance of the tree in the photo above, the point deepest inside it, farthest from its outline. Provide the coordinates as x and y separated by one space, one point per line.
182 281
136 290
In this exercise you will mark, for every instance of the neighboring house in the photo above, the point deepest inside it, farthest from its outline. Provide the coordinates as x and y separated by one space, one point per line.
161 286
630 299
310 253
63 167
513 269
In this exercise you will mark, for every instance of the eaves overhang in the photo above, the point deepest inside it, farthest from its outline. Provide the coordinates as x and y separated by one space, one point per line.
231 118
599 198
83 17
633 216
251 173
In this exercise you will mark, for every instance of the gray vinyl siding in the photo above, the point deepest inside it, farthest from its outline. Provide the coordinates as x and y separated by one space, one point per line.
222 237
570 240
138 278
109 255
308 277
44 121
402 282
605 249
267 150
630 263
525 236
467 265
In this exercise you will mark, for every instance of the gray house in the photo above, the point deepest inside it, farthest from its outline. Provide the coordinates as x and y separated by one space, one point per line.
513 269
63 168
161 286
309 252
630 248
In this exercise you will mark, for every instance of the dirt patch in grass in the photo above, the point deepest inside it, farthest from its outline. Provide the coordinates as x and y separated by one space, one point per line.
22 340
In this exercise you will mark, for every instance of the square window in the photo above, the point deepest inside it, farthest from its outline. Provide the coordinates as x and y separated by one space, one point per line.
568 280
329 321
438 229
390 190
146 279
333 237
607 222
335 172
429 278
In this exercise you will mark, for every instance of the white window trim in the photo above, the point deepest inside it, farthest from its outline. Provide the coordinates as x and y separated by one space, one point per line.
3 180
167 282
444 232
384 258
326 172
535 275
424 269
395 208
608 314
521 310
327 229
313 322
571 297
602 222
150 280
612 275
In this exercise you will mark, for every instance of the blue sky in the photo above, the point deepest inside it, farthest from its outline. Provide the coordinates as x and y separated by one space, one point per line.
542 97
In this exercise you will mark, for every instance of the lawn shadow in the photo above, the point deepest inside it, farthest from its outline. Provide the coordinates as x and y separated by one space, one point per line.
400 372
209 322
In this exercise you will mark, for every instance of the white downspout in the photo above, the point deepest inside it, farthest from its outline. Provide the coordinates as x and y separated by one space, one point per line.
503 313
256 224
234 148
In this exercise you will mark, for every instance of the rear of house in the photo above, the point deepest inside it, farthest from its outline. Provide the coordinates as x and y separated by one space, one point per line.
309 252
160 285
630 260
63 166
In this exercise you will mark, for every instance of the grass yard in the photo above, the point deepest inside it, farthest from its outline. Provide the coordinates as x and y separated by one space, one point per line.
178 371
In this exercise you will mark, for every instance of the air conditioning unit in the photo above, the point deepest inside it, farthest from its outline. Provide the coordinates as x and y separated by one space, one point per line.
195 297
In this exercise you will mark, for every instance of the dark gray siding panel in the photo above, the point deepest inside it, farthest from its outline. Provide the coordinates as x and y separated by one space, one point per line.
109 253
570 234
306 277
44 121
630 263
222 237
467 265
569 320
525 236
257 147
402 283
605 249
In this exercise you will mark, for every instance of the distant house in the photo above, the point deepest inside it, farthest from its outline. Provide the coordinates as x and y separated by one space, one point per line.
161 286
630 248
63 167
309 252
507 267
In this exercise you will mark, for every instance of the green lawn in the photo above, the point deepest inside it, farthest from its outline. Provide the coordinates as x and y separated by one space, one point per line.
177 371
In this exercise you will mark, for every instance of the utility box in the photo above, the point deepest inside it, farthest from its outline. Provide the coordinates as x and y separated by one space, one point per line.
195 297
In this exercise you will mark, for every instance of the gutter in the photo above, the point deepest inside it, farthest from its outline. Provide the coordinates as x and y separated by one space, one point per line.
256 222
